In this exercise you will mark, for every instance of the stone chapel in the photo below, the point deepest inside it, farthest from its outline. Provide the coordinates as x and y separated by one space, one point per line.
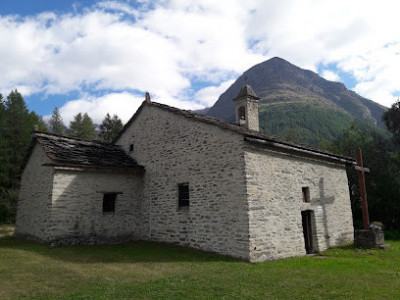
184 178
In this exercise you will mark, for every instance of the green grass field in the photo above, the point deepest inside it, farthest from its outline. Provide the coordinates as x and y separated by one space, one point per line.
145 270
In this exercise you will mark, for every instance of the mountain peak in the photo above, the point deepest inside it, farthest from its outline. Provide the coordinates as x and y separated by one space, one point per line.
278 82
277 59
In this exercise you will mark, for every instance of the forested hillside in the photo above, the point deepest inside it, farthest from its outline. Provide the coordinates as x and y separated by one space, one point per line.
310 124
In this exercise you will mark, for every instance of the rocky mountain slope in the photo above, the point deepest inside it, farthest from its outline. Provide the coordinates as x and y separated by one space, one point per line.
299 102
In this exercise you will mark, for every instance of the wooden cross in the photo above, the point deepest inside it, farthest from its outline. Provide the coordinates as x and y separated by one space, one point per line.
363 193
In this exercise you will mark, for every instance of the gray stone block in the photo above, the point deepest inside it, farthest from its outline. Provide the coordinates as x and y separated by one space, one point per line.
368 238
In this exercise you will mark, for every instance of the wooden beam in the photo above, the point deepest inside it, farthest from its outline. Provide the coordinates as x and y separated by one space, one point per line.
362 169
363 191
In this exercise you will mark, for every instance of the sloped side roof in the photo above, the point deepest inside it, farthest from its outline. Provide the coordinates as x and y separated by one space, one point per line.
74 152
249 135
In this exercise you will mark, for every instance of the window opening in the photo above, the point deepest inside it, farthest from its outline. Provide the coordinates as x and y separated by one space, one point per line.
306 194
183 195
131 147
242 113
109 202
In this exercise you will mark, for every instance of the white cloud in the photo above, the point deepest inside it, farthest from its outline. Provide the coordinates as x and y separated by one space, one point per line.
376 71
209 34
118 6
165 46
124 105
95 50
209 95
360 36
330 75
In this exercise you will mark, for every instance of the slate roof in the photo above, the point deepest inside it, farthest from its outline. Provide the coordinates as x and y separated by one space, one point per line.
247 90
251 136
83 153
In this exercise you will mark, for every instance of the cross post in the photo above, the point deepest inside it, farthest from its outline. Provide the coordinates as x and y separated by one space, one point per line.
363 193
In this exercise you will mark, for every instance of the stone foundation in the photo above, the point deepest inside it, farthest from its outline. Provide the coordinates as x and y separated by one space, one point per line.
367 238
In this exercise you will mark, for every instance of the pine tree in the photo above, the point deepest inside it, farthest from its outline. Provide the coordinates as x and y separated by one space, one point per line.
82 127
4 157
16 125
38 121
89 131
75 126
110 128
56 122
18 129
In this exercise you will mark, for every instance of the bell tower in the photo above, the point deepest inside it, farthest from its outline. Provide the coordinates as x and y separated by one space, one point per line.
246 107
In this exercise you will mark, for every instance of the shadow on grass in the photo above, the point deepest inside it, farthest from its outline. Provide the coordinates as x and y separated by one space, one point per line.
349 246
132 252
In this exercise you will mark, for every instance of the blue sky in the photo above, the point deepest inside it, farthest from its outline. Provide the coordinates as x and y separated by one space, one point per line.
102 56
29 7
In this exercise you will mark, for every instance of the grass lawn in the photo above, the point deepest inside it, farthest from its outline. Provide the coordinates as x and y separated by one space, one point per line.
145 270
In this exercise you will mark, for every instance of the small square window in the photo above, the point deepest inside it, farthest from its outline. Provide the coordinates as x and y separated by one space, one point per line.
131 147
109 202
183 195
306 194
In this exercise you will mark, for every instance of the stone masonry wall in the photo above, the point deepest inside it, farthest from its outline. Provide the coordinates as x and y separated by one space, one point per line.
175 149
274 187
35 198
251 113
77 207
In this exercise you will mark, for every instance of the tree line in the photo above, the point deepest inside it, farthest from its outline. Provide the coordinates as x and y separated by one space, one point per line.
16 126
82 127
381 154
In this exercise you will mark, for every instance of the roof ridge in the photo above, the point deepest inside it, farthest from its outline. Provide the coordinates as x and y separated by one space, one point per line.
229 126
42 133
241 130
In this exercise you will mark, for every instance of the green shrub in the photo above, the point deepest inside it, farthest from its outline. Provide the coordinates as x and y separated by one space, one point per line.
393 235
3 213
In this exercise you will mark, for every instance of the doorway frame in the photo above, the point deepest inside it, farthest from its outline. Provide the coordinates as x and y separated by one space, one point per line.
307 226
